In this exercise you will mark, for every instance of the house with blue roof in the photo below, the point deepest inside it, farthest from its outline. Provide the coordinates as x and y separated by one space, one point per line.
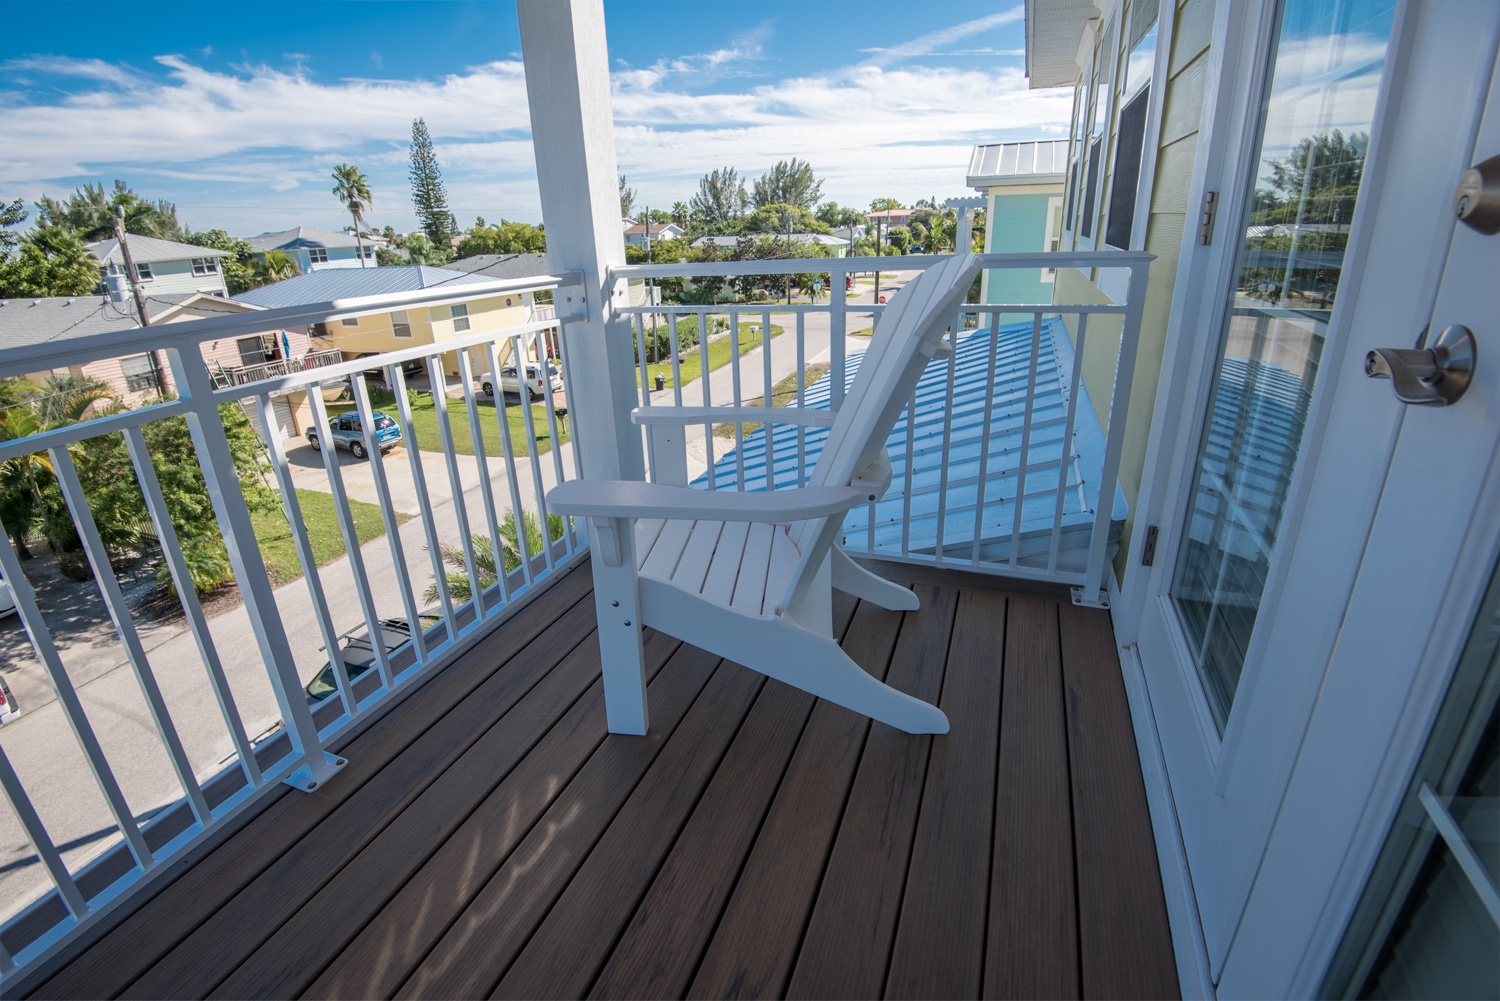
1022 185
316 249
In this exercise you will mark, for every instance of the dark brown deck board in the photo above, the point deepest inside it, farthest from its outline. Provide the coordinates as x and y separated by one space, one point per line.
1122 918
1032 945
848 941
939 946
176 908
660 948
753 947
488 836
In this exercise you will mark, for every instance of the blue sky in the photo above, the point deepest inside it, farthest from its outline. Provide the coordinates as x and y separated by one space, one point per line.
239 116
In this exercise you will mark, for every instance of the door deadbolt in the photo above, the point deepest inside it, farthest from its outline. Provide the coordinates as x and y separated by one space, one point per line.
1428 377
1477 201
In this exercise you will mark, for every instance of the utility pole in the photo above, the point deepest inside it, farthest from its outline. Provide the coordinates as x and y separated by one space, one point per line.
789 278
135 289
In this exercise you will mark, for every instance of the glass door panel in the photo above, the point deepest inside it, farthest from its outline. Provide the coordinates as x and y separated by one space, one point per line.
1315 118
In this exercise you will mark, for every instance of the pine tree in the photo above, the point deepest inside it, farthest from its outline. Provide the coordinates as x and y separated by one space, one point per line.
427 193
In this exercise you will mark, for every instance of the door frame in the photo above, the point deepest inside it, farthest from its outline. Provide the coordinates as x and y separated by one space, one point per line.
1230 124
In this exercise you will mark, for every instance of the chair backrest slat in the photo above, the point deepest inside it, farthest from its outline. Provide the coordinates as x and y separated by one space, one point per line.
888 373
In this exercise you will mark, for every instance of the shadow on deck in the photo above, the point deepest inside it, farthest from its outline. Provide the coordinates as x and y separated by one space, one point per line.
489 839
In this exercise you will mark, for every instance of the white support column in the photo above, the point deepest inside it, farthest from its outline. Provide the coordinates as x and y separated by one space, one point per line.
573 135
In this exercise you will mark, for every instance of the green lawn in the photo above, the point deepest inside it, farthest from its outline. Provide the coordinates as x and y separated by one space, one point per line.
783 394
321 519
720 351
424 420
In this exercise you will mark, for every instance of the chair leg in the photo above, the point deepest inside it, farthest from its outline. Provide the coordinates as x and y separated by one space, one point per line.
851 578
621 654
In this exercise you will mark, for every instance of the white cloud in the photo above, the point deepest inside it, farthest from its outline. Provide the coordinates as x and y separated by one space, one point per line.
250 148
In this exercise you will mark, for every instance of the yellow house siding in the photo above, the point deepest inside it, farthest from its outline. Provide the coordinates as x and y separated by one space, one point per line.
1177 151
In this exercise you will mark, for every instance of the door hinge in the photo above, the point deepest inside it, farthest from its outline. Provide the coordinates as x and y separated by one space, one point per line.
1210 213
1148 548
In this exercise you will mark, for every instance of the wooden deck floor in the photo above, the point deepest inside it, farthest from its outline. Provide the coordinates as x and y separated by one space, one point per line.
489 839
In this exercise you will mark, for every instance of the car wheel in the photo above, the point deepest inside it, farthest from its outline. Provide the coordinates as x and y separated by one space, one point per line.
312 443
489 390
358 448
530 394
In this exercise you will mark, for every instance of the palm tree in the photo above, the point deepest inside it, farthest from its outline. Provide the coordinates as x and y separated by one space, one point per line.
274 266
352 187
681 213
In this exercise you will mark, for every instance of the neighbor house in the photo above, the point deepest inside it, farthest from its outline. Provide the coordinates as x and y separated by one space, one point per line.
640 233
1022 184
164 267
143 377
373 333
317 249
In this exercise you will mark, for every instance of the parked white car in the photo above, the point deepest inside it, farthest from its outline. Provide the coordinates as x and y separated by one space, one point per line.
510 383
7 598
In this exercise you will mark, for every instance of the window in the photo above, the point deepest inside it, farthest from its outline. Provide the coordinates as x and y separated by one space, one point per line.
1052 236
205 266
460 318
1130 136
1098 125
349 321
140 374
317 255
1086 225
400 323
143 272
367 251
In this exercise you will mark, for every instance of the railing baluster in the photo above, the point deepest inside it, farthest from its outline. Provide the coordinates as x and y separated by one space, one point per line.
708 399
315 765
528 422
481 463
397 380
292 508
517 513
638 331
119 613
24 596
737 427
1065 456
550 406
171 550
350 534
388 517
802 401
837 319
942 511
770 426
984 441
41 841
1025 455
906 474
438 379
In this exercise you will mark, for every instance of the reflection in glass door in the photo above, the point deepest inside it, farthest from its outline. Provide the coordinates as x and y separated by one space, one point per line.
1315 120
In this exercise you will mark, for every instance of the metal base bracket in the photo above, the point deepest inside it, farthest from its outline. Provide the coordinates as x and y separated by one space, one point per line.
1100 600
307 778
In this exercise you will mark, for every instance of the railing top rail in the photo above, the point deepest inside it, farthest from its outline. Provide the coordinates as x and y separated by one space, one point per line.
116 344
910 262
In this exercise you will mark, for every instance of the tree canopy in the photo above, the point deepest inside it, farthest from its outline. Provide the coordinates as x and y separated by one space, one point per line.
506 238
721 200
428 196
773 218
50 261
790 182
627 199
89 213
352 187
882 204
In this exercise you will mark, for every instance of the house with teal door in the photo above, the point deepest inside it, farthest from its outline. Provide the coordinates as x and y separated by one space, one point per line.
1022 183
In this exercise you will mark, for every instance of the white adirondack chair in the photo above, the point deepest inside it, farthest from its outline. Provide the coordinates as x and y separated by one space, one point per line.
748 575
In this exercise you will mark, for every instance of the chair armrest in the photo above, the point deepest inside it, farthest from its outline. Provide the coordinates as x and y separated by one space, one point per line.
728 415
635 499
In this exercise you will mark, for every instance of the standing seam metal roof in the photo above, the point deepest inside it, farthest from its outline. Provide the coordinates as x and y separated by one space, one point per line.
1017 160
1081 463
149 250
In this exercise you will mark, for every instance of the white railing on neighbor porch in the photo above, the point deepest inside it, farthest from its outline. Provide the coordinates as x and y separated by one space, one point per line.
1041 503
293 748
244 375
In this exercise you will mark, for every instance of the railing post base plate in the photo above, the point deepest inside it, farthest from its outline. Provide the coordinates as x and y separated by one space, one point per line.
1100 598
308 778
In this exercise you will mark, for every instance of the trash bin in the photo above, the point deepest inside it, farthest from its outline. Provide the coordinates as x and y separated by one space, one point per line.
661 382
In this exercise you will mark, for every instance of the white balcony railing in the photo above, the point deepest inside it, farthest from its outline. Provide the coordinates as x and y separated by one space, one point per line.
247 374
163 789
997 469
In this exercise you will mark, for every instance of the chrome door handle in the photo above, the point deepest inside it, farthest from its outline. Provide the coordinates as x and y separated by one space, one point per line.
1428 377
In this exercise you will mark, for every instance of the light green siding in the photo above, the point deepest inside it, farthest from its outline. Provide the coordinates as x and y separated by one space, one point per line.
1018 224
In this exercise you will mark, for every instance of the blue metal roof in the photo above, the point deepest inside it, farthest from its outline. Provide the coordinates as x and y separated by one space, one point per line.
1081 463
327 285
